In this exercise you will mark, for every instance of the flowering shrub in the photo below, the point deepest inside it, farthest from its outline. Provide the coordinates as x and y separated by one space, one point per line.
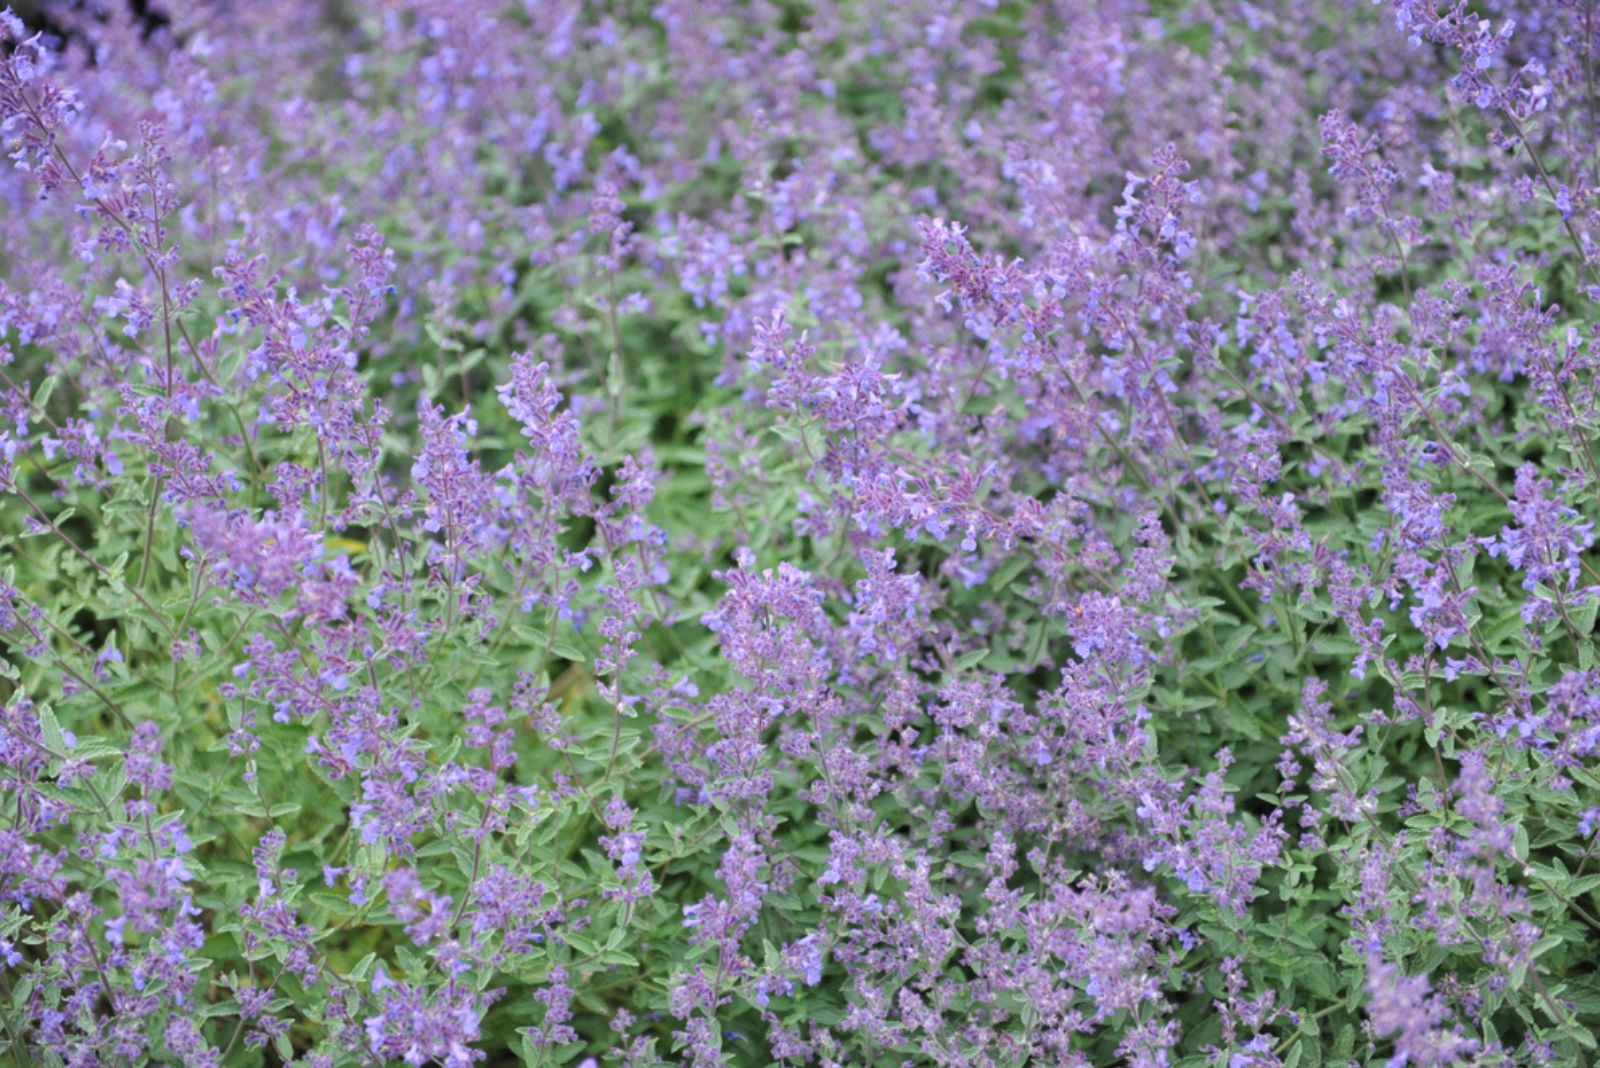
807 533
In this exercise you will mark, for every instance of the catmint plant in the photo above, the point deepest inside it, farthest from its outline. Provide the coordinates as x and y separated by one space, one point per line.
724 533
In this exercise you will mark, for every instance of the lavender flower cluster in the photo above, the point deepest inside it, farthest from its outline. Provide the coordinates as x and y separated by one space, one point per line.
799 532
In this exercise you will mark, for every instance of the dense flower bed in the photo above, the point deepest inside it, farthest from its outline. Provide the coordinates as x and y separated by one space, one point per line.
814 532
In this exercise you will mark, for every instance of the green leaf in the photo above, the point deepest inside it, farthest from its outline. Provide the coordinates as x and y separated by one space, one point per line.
50 729
41 396
967 661
567 648
616 375
1007 572
1584 615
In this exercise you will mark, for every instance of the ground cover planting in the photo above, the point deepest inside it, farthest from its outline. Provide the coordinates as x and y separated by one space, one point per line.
726 532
